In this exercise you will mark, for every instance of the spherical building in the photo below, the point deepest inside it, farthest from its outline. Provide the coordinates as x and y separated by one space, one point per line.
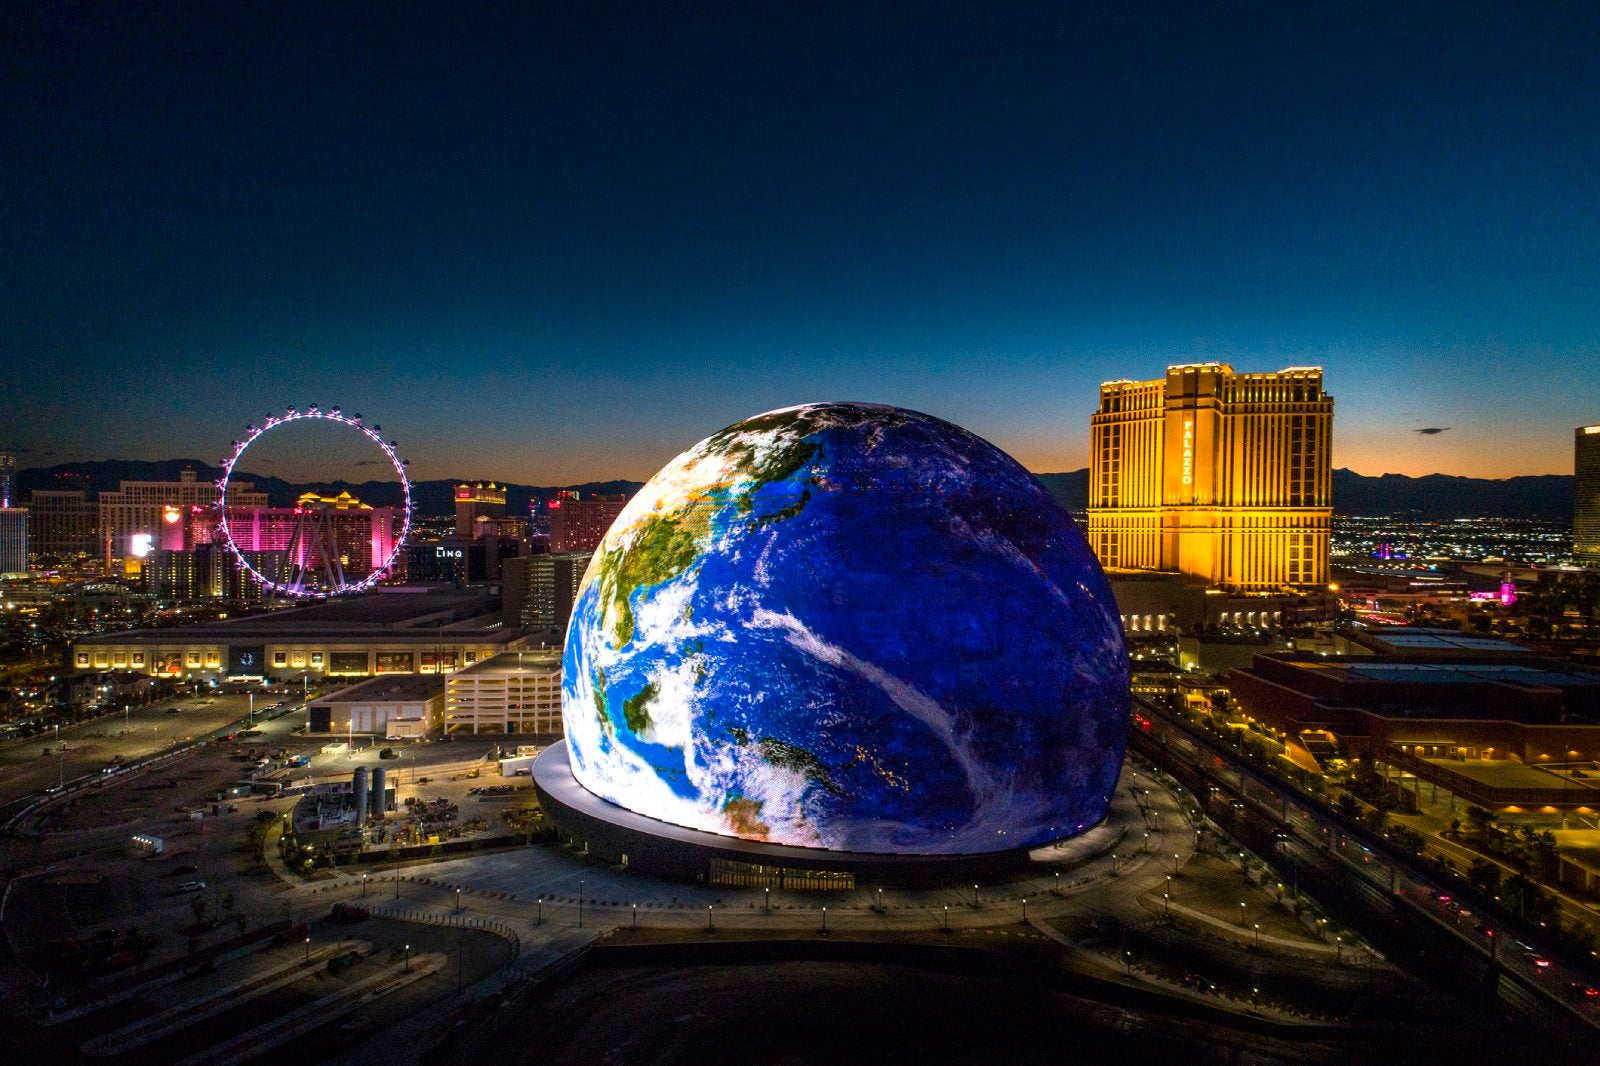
853 628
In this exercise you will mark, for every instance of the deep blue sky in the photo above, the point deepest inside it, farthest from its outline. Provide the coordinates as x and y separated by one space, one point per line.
566 241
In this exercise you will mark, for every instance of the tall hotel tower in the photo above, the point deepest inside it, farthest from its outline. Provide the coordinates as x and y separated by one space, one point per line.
1586 495
1224 477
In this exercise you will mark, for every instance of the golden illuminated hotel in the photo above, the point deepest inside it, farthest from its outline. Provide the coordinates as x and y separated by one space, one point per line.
1224 477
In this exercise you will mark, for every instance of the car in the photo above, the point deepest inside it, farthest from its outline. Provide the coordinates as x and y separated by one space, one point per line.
170 710
1539 960
192 886
1587 991
388 753
186 868
522 771
1442 897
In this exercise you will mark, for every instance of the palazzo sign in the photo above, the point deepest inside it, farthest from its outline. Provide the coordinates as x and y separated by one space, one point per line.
1188 451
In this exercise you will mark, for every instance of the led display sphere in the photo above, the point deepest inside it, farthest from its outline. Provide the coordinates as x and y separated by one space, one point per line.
852 627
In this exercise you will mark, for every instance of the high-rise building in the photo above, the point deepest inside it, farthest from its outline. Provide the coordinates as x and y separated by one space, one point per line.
1586 494
8 480
207 572
13 540
538 591
478 501
579 523
1224 477
61 525
134 519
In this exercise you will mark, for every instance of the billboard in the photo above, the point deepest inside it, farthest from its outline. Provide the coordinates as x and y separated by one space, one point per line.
395 662
347 662
247 660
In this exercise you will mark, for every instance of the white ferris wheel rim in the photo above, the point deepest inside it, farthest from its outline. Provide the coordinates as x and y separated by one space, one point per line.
272 422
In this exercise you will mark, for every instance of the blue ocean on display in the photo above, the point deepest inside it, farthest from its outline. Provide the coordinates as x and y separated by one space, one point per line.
853 627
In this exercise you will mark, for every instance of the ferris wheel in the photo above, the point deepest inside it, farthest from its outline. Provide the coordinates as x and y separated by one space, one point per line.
325 545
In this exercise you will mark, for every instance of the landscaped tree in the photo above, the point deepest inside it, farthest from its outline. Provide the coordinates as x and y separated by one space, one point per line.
1544 859
1484 875
1481 821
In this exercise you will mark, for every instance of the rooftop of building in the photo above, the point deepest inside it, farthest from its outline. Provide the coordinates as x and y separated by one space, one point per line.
226 633
1415 639
394 688
404 607
1526 675
512 663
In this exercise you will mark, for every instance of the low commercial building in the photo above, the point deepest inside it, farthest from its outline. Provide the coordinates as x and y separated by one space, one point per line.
1435 705
1157 602
514 692
406 707
413 632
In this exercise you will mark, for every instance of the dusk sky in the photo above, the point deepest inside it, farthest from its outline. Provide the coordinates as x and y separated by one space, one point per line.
563 242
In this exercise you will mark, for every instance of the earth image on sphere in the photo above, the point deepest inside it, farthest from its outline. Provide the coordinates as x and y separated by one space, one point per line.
853 627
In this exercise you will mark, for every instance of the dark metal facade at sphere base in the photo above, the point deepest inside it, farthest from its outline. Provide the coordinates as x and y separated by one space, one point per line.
620 837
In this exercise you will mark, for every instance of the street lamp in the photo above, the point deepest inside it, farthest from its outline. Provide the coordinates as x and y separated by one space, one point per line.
541 910
974 895
308 951
766 907
824 920
636 916
1024 910
458 901
1241 914
1258 935
408 958
363 886
709 926
947 917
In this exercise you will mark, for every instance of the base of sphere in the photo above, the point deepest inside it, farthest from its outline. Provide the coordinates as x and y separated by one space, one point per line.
620 837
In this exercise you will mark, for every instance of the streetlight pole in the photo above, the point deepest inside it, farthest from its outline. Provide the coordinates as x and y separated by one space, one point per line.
709 926
308 951
580 904
363 886
408 958
766 907
824 921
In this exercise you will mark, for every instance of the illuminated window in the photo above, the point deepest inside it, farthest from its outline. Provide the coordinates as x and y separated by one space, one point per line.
211 658
280 658
138 658
83 658
194 658
316 658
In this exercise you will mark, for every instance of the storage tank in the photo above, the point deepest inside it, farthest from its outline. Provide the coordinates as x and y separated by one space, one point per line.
358 785
380 786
